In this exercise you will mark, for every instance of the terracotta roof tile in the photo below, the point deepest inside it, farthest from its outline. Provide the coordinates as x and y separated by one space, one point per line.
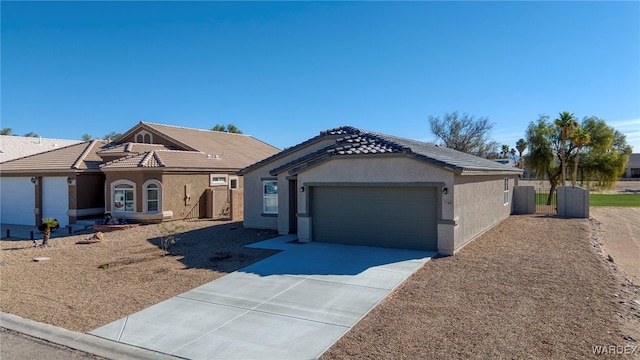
232 151
81 156
363 142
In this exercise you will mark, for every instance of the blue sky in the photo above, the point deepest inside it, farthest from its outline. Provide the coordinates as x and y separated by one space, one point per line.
283 71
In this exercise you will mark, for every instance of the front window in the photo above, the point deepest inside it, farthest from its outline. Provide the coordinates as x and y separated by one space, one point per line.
270 197
152 198
123 197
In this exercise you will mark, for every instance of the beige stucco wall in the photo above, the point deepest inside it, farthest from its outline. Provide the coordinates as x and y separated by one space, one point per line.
253 217
479 205
376 169
175 188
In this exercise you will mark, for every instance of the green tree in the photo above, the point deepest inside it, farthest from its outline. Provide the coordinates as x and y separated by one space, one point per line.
605 157
505 151
5 131
86 137
31 134
112 136
543 139
521 145
599 151
230 128
567 124
464 133
580 138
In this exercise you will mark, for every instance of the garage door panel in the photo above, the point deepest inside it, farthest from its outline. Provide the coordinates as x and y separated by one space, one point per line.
55 199
17 201
391 216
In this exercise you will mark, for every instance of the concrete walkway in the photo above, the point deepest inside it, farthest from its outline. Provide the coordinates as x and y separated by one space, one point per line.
293 305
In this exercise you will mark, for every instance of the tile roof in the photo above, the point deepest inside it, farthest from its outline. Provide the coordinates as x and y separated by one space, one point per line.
125 148
232 151
13 147
175 159
81 156
362 142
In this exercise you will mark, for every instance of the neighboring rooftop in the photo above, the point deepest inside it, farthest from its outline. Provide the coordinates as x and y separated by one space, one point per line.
81 156
13 147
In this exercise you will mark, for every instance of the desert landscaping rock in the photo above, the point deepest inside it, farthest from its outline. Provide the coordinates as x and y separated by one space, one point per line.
41 258
531 287
72 292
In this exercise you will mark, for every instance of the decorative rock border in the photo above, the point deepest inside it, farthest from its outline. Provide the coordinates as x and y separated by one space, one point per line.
104 227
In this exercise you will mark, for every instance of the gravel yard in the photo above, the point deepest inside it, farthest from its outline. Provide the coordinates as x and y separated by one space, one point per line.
531 287
83 287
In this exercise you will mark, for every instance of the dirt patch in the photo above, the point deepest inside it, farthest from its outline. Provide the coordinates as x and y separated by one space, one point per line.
619 237
531 287
84 286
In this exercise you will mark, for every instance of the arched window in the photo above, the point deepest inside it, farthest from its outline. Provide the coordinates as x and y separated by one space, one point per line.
144 137
152 194
124 196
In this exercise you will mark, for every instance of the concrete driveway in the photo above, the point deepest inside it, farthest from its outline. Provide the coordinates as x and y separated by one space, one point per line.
293 305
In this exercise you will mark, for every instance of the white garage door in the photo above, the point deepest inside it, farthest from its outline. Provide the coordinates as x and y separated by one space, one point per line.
17 201
55 199
388 216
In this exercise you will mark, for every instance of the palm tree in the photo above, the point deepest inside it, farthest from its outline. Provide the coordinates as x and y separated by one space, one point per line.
521 145
505 151
47 226
580 138
567 124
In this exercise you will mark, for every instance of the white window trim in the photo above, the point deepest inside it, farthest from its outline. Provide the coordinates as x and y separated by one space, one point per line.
270 196
506 191
215 179
145 195
231 179
113 192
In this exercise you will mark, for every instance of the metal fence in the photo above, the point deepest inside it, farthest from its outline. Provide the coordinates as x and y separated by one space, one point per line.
544 204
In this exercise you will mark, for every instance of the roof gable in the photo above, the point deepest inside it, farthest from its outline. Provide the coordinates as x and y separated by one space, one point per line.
358 142
233 151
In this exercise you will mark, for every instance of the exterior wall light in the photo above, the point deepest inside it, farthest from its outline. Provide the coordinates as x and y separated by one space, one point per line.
445 191
301 188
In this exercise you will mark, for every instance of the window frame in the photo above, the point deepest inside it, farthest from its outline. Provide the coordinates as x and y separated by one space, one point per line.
126 185
233 179
218 179
145 195
269 197
506 191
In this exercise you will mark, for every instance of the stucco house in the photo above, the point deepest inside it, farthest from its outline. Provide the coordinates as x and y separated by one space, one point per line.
64 183
632 170
354 186
151 173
